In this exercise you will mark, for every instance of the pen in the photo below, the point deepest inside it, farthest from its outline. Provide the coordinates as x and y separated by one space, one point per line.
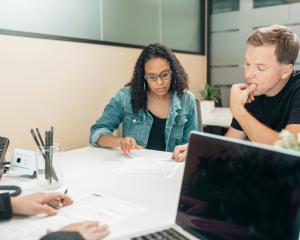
62 200
40 137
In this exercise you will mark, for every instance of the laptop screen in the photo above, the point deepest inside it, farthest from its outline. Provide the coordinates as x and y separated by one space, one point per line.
237 190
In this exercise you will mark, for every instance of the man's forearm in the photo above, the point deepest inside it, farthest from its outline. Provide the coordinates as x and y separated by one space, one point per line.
255 130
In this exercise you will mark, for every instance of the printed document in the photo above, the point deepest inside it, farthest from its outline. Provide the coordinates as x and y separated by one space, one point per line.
94 206
149 167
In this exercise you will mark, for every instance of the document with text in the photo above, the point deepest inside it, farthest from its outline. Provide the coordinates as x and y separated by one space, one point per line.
160 167
94 206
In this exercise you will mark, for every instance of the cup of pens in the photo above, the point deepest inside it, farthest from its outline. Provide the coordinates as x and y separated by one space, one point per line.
48 161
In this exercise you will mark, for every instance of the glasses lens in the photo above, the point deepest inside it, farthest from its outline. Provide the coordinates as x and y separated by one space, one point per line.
165 75
151 76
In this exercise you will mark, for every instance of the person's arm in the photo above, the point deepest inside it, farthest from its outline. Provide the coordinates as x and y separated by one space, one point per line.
255 130
293 128
110 119
113 115
125 143
88 230
36 203
180 152
32 204
191 123
62 236
5 206
234 133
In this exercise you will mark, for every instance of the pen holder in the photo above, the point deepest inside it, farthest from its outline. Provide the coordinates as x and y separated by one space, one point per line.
48 165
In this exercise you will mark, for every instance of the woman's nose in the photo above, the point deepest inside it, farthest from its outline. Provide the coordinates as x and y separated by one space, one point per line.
159 81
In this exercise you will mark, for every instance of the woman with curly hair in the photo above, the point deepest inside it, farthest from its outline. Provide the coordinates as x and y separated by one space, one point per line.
156 110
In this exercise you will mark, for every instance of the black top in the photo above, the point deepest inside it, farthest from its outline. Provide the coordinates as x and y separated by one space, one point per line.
6 213
156 140
5 206
278 111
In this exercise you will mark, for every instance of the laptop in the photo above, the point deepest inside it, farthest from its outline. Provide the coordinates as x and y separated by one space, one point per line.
234 189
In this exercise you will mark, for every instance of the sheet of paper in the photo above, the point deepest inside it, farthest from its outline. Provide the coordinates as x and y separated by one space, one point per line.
93 206
149 167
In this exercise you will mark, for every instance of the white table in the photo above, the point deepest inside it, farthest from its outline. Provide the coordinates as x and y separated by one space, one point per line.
221 117
90 169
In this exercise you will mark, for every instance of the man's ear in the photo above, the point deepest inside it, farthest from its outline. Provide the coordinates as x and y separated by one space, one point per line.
286 71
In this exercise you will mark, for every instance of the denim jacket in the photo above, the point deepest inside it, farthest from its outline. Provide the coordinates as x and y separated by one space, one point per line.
182 119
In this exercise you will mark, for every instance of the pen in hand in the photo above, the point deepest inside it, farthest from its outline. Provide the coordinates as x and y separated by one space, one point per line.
61 204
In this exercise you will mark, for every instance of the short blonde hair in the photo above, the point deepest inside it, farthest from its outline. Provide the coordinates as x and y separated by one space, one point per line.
287 43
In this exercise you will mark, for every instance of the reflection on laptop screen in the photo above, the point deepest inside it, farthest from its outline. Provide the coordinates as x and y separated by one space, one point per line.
236 190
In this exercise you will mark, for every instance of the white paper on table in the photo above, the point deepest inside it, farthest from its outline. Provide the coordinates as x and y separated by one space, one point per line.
160 167
93 206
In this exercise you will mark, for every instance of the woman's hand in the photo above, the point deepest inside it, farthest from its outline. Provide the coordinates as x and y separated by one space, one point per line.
128 143
180 152
39 203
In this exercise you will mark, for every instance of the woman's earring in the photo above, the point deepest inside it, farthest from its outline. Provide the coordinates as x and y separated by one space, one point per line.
144 86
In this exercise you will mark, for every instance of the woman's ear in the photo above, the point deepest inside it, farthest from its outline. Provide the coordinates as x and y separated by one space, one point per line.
286 71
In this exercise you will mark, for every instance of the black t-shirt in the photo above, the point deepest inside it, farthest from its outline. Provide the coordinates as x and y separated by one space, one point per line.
156 140
278 111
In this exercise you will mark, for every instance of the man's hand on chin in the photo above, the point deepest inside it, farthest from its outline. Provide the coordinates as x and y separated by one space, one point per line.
240 94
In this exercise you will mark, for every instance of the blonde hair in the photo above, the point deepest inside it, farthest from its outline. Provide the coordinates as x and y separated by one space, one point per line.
287 44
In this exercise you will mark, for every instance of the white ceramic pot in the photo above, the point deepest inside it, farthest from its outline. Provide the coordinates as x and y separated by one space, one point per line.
207 106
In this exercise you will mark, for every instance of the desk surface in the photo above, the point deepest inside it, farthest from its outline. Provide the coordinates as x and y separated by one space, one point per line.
221 117
90 169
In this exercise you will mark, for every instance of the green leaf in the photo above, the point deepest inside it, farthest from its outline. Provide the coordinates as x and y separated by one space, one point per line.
211 92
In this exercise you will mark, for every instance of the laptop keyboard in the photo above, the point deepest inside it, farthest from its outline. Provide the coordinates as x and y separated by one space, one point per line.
168 234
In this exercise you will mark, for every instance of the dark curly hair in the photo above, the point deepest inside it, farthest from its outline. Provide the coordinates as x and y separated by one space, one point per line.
138 83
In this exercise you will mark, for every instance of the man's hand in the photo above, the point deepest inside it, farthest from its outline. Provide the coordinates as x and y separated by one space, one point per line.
39 203
128 143
240 94
180 152
89 230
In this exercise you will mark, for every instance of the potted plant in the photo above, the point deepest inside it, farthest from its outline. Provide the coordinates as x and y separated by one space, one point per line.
210 95
289 140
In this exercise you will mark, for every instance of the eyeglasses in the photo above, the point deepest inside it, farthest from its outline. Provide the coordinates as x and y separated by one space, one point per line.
164 75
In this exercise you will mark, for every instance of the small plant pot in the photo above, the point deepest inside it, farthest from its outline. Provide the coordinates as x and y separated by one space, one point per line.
207 106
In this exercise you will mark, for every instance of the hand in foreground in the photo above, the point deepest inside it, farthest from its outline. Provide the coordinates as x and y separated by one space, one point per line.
240 94
39 203
180 152
128 143
89 230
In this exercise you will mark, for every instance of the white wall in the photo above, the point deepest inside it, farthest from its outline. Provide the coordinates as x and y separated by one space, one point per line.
47 83
56 17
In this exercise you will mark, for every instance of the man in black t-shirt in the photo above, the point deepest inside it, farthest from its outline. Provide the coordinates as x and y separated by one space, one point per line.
269 100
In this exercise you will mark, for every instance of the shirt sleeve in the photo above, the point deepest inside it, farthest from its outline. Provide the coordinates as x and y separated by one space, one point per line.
236 125
110 119
191 124
251 108
63 236
5 206
294 116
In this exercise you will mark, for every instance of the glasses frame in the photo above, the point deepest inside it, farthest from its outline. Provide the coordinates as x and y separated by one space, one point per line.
159 76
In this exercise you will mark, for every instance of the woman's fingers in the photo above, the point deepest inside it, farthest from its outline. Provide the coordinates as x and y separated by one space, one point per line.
128 144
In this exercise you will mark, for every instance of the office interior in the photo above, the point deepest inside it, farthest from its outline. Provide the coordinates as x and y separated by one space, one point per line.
61 61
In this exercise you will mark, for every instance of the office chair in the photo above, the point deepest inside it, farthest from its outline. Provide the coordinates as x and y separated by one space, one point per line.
198 109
